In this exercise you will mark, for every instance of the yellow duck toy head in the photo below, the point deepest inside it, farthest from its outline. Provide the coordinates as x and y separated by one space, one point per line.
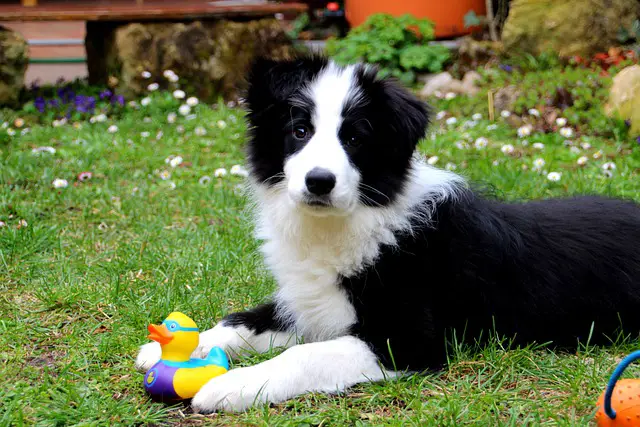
178 336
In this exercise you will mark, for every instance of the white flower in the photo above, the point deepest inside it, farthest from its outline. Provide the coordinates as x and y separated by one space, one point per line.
538 164
55 124
3 224
450 166
469 124
192 101
492 127
184 109
153 87
159 135
585 145
449 96
462 145
179 94
205 180
441 115
4 125
505 113
25 131
554 176
22 223
609 166
200 131
222 124
173 78
481 143
176 161
451 121
477 116
524 142
171 117
495 162
172 185
607 174
165 175
538 145
99 118
49 150
524 131
561 121
566 132
168 73
534 112
507 149
132 104
598 154
433 160
12 132
112 129
219 173
233 119
583 160
60 183
145 74
180 129
147 120
145 134
145 101
239 171
574 150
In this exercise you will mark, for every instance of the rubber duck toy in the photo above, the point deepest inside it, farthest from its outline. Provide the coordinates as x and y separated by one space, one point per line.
177 376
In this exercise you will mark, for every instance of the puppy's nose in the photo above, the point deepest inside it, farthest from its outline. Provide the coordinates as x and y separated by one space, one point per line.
320 181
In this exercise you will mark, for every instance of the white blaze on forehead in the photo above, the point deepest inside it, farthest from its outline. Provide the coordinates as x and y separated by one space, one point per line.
330 91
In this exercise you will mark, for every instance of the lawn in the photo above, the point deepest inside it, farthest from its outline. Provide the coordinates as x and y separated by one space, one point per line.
85 267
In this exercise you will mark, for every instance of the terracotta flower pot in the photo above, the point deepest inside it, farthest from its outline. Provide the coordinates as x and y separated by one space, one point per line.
448 16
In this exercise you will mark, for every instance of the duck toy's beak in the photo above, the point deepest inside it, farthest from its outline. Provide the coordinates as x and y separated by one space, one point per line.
160 333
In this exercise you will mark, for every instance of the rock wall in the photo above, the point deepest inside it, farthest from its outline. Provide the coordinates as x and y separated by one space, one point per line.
14 59
569 27
211 57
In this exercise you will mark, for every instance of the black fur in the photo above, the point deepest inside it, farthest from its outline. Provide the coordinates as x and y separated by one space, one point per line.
540 272
259 319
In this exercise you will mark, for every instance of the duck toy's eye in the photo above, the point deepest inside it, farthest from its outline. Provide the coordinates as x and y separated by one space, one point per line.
173 326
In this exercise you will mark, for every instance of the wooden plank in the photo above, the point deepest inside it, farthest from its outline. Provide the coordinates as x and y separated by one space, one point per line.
149 11
29 3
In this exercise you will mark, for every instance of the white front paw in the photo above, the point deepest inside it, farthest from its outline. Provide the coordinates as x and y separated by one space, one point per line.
148 356
235 391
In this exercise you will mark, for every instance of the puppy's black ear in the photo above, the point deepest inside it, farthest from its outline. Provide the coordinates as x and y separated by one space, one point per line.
409 116
275 81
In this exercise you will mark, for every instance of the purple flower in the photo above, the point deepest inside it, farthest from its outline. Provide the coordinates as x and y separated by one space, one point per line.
507 68
40 104
638 140
54 103
105 94
118 99
627 123
35 85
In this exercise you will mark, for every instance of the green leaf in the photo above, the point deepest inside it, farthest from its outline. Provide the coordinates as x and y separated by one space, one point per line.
471 19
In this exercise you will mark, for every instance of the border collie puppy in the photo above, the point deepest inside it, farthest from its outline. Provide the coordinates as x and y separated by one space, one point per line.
379 257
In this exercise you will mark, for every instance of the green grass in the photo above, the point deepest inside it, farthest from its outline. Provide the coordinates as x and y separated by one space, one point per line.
100 259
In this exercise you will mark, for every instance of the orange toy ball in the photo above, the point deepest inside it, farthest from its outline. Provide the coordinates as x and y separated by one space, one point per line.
625 399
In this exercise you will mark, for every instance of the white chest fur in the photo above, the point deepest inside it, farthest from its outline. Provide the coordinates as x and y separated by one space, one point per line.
308 254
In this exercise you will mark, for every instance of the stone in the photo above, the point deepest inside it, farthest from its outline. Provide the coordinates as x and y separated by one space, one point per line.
211 58
14 59
469 82
505 98
444 83
568 27
624 97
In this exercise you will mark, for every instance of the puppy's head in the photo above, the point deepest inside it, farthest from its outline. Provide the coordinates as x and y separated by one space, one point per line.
332 138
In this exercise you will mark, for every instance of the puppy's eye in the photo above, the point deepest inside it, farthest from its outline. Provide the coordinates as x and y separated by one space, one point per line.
301 132
353 141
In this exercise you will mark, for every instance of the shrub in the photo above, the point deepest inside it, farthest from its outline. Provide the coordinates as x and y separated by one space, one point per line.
399 46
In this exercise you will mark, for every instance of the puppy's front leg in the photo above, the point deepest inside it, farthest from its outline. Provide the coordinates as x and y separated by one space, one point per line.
328 366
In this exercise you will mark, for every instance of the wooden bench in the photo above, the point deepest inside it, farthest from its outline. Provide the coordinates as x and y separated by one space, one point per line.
103 17
143 10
